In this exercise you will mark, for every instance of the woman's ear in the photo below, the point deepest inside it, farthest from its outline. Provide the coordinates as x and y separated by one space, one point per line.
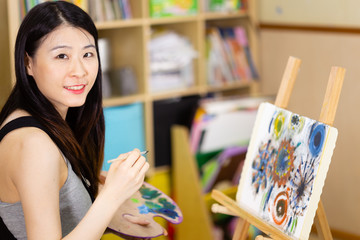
28 64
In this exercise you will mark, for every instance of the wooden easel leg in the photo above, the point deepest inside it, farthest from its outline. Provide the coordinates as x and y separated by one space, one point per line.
321 223
242 229
260 237
327 116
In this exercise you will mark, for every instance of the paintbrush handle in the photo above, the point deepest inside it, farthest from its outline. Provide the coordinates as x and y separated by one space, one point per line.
123 158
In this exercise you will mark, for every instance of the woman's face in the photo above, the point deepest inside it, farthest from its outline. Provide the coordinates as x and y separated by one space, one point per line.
65 67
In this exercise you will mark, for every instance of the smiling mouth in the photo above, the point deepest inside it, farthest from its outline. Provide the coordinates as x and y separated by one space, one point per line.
75 88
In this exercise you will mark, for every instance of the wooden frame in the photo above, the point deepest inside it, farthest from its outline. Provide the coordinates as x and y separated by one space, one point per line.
327 116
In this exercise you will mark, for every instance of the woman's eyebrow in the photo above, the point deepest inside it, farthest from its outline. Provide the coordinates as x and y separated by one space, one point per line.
65 46
90 46
59 46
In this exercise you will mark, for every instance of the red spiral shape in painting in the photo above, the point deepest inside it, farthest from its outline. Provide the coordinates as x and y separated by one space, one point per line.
280 207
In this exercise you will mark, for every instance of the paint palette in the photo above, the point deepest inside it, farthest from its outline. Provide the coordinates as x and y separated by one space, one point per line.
145 204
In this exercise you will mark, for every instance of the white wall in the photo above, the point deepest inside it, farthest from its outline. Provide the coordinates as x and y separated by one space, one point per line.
345 13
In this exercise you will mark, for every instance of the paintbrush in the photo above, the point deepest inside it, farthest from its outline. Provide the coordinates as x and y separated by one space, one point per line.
123 158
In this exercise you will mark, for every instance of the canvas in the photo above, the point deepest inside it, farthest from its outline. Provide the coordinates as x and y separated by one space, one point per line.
285 169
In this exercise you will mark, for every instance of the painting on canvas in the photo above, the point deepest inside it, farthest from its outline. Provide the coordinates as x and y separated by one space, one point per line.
285 169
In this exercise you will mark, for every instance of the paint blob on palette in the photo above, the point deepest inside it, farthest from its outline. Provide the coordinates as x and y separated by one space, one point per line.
285 169
145 204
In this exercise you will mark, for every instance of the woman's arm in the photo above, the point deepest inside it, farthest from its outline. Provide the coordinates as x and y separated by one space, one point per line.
124 178
39 174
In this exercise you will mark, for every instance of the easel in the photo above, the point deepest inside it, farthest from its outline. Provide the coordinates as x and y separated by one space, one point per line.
327 116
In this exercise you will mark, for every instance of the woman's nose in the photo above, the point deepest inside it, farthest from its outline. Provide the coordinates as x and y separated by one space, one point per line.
78 68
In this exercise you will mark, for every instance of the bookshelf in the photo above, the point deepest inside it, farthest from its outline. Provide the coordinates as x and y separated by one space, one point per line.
129 47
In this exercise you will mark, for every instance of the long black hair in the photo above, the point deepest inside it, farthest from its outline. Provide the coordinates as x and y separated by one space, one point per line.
80 136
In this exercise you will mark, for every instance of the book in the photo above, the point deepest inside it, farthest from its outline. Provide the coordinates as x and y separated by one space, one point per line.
223 5
82 3
241 37
124 130
126 9
238 52
116 9
26 5
229 58
97 10
222 123
109 10
219 57
168 8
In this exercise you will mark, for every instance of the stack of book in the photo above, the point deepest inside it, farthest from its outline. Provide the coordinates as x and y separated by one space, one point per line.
26 5
109 10
168 8
228 56
99 10
225 5
224 122
171 57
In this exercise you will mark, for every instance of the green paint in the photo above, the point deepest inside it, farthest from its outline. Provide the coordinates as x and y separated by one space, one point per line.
279 125
148 193
166 203
135 200
294 224
152 205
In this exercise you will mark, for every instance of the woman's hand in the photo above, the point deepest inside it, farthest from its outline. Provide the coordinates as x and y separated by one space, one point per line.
125 176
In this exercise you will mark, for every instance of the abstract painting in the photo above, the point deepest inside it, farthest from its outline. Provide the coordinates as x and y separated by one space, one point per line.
285 169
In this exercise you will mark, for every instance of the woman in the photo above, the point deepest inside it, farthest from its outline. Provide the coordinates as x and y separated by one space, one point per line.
53 133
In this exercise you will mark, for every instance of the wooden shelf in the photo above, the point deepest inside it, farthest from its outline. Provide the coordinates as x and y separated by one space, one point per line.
123 100
129 47
119 24
170 20
224 15
175 93
229 86
197 90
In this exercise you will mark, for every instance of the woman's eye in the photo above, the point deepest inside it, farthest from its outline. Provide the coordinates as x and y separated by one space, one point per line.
62 56
88 54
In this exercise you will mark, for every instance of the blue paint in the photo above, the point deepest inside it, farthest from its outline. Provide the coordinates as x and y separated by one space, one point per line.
283 161
317 138
260 167
143 209
268 198
166 208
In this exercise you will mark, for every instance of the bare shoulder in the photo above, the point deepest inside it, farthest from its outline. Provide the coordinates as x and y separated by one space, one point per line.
28 157
29 148
29 144
26 140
